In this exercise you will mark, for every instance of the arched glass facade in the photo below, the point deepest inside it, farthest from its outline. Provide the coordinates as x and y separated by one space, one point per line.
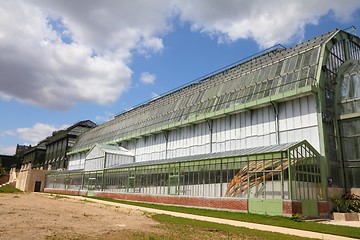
349 122
340 50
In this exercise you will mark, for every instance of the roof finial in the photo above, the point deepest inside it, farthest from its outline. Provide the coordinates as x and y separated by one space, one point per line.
351 30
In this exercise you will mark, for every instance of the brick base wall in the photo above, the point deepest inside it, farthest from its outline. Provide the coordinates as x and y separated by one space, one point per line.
323 208
66 191
291 207
62 191
218 203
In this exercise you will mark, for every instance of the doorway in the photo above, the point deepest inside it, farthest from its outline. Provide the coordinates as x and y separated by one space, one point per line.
37 187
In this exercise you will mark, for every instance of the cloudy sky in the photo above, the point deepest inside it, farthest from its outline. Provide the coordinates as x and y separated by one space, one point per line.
66 61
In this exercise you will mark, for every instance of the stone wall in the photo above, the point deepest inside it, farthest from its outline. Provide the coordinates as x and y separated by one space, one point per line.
27 179
21 180
4 178
355 191
13 174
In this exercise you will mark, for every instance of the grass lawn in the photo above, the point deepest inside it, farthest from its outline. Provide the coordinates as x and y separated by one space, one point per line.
9 190
171 228
183 228
254 218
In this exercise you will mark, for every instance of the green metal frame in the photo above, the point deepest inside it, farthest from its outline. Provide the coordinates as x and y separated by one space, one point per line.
198 117
324 55
341 117
174 173
174 170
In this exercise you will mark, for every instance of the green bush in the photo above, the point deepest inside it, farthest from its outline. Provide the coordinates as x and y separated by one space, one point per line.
297 218
347 203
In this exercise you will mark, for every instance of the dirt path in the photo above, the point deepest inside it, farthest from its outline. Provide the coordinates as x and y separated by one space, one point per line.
33 216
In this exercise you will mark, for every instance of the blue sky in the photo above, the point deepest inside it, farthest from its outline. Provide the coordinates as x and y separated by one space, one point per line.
64 62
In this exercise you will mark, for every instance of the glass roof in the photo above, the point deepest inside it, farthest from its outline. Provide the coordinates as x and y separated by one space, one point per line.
114 149
297 151
272 73
236 153
350 90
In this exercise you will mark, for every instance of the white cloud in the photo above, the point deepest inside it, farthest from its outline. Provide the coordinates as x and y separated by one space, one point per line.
267 22
37 132
147 78
150 45
55 54
101 119
7 150
154 95
4 96
7 133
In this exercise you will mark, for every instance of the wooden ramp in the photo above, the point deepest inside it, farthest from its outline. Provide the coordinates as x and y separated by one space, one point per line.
239 183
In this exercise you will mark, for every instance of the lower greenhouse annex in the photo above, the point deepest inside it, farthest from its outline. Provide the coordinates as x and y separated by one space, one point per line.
267 176
276 134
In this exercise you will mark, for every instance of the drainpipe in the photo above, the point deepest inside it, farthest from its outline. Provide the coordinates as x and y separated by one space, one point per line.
82 181
166 136
210 125
135 147
103 173
276 112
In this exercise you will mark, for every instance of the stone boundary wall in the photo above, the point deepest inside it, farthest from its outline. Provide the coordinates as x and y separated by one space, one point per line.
4 178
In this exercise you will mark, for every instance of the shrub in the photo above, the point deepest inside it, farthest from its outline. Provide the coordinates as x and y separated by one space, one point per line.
347 203
297 218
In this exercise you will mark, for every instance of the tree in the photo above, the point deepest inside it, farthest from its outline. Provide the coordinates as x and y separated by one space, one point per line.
2 170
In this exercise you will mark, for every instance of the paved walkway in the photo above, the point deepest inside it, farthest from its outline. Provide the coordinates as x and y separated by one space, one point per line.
342 223
283 230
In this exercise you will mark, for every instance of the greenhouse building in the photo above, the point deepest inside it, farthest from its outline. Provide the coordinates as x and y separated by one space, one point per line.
276 133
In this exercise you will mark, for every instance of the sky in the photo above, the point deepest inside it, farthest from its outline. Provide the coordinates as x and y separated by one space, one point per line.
62 62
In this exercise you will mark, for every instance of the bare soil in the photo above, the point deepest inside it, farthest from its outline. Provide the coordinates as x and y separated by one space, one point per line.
36 216
53 217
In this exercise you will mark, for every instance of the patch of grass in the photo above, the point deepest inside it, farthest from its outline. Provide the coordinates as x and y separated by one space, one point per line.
60 197
85 201
187 226
254 218
9 190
